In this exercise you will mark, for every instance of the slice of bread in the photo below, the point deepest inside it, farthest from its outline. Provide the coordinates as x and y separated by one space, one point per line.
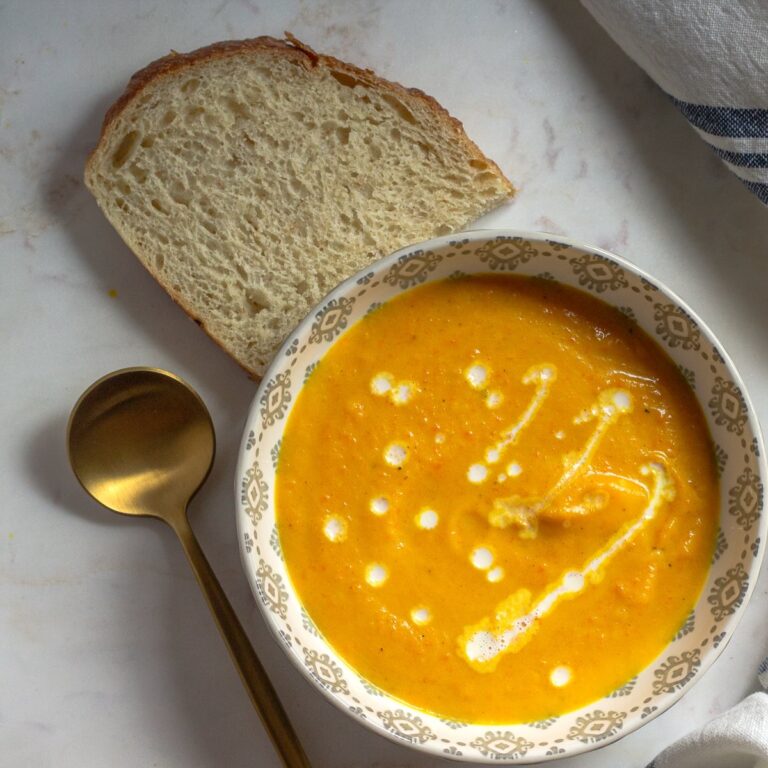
250 177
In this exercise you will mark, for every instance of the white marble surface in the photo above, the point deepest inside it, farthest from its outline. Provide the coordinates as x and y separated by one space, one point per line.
107 654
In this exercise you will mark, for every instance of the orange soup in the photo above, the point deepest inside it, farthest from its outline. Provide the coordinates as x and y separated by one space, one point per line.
497 498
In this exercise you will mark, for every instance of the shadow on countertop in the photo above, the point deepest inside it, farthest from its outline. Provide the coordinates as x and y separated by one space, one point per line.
190 658
725 223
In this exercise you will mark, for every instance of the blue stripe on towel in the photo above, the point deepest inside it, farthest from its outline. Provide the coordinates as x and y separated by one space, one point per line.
743 159
739 122
761 190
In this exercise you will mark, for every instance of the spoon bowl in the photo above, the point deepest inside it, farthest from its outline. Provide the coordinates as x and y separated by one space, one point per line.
141 442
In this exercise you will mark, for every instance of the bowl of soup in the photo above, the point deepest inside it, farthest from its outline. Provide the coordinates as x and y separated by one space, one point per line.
500 497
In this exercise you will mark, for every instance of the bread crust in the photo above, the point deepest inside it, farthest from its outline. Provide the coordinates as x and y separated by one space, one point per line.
302 54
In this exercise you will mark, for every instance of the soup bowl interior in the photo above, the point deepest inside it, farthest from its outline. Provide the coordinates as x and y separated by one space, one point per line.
738 450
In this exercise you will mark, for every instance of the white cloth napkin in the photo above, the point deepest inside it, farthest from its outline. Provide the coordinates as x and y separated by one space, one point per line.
736 739
711 57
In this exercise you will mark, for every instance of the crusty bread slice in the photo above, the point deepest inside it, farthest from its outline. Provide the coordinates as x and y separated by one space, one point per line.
250 177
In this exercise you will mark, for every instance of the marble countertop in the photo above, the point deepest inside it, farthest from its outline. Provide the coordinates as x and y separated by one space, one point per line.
107 653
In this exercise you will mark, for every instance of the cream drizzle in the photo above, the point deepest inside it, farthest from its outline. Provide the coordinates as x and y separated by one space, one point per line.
421 615
334 528
560 676
611 404
395 454
543 376
477 375
515 621
376 574
399 392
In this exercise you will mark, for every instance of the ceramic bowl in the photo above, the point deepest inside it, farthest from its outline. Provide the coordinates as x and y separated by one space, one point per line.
738 447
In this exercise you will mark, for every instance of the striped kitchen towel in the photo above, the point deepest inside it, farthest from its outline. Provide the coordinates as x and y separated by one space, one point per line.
711 57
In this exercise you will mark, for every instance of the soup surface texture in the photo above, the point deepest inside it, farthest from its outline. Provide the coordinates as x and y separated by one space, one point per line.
497 498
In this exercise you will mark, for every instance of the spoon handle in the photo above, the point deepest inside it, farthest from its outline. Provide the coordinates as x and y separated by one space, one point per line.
260 689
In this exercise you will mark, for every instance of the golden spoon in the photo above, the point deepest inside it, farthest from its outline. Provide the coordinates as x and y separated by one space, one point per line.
141 442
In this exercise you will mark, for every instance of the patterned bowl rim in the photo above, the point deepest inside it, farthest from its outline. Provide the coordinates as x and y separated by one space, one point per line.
347 286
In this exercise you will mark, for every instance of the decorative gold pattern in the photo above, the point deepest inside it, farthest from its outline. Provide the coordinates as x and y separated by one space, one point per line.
331 320
406 725
596 726
628 312
274 453
412 269
745 499
598 274
274 542
271 589
728 592
721 544
308 624
374 690
254 494
506 253
625 689
502 745
727 406
689 376
676 671
688 626
326 671
676 327
721 459
275 399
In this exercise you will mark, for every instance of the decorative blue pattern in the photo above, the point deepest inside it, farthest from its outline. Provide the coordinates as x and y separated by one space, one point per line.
743 127
736 122
743 159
